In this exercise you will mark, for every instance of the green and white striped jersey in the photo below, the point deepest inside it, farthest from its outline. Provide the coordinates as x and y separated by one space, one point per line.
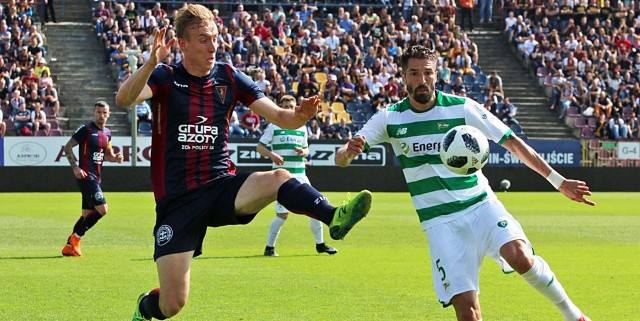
415 138
283 142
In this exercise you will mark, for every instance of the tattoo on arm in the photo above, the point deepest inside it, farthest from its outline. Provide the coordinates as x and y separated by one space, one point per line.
68 150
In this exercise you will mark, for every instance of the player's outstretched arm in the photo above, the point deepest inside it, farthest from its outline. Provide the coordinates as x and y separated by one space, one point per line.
287 118
135 88
348 151
572 189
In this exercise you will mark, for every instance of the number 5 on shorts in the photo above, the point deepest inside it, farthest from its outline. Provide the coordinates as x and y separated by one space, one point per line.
441 269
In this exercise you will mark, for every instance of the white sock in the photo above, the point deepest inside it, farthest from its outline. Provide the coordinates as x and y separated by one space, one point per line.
78 236
541 278
316 230
274 230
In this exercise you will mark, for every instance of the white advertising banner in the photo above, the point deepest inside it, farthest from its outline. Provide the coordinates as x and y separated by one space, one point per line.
628 150
49 151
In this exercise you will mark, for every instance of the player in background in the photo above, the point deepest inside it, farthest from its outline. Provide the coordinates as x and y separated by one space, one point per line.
463 219
95 147
195 184
288 149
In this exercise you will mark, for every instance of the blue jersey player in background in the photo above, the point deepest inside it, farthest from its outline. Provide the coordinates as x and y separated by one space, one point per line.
95 147
195 184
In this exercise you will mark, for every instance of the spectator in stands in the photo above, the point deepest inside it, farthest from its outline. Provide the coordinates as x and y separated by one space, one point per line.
29 78
22 125
33 98
617 128
313 130
3 125
603 105
566 98
50 99
332 89
466 12
458 86
306 87
250 123
143 112
444 73
379 101
347 90
507 112
633 126
39 120
493 86
235 129
343 131
328 129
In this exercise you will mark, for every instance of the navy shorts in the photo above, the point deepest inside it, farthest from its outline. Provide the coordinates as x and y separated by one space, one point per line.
92 195
182 221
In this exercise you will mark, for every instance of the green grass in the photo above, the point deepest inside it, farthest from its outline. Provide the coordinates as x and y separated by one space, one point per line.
382 271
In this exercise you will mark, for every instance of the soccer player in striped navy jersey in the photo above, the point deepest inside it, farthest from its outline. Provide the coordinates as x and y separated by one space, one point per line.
461 216
287 149
194 181
95 147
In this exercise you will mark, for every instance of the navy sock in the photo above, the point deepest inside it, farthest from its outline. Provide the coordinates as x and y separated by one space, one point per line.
88 223
76 227
150 306
304 199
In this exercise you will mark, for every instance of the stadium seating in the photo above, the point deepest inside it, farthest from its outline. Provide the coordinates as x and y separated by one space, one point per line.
338 107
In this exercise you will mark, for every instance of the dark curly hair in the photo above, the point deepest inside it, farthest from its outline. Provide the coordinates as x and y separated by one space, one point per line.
416 52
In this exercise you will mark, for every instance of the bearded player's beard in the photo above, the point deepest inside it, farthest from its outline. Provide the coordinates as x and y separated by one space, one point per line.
421 98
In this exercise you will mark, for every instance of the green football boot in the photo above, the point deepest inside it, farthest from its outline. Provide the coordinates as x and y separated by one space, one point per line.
348 214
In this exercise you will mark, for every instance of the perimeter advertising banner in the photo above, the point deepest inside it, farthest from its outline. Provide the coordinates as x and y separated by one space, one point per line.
557 153
49 151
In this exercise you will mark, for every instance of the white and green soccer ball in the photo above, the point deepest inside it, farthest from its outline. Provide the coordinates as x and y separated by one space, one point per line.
464 150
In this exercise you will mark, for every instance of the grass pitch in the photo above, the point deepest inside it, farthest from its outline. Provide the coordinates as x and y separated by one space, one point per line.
381 272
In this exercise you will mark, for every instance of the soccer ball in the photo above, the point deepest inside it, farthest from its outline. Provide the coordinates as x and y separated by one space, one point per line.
464 150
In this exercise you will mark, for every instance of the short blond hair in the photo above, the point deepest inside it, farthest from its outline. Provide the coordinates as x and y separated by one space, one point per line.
192 16
287 98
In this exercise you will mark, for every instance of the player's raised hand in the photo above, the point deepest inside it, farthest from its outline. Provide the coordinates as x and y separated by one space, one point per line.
576 190
161 47
308 108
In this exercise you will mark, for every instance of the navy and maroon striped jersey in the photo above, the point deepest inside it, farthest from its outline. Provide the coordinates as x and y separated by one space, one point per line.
93 143
191 125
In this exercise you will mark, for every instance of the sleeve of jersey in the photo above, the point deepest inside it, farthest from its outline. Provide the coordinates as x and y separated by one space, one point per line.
161 76
374 130
80 134
267 136
247 90
486 122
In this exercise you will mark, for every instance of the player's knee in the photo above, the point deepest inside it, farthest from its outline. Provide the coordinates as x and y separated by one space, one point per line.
281 175
518 255
470 313
173 306
467 306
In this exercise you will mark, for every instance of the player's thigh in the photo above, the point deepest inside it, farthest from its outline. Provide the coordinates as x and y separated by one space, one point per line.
455 259
174 275
259 190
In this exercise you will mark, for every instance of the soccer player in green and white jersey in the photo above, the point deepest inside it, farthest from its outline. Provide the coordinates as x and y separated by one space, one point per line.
289 149
463 219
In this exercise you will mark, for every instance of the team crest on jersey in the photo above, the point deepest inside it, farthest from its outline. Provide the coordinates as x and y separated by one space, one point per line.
164 235
222 92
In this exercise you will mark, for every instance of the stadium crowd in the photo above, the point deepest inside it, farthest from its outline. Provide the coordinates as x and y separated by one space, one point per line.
28 97
587 54
350 57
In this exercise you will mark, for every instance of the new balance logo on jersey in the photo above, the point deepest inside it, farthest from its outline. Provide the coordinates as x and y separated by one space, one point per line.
198 133
180 85
401 131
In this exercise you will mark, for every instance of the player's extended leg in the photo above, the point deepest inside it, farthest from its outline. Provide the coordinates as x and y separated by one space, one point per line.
539 275
274 231
87 220
174 274
467 306
262 188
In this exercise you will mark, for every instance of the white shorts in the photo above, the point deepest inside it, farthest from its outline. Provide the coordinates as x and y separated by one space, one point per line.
458 247
283 210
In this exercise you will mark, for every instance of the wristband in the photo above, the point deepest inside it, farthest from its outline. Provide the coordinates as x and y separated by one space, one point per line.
555 179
